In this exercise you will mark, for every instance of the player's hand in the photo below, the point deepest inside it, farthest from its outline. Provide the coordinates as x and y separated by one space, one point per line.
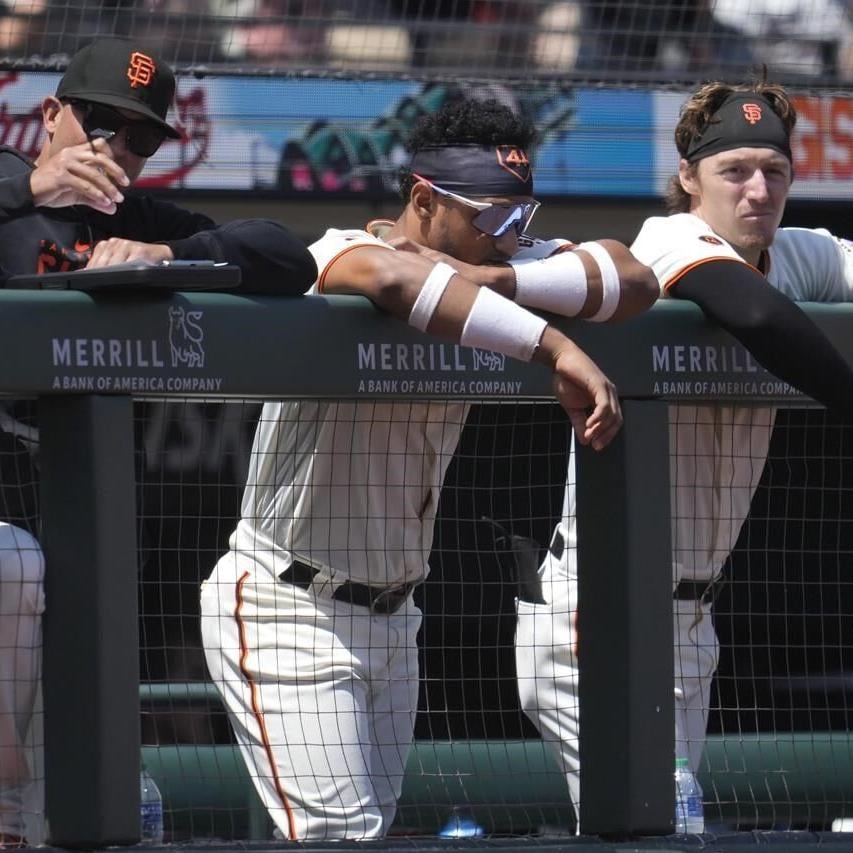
587 395
80 174
118 251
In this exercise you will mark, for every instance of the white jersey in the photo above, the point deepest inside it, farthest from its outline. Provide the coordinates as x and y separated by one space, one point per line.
350 487
718 452
808 265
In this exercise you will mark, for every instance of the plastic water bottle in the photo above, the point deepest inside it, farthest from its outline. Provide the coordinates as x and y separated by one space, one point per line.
150 810
689 816
461 824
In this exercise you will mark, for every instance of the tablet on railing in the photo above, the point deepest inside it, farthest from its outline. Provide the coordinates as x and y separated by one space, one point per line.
170 275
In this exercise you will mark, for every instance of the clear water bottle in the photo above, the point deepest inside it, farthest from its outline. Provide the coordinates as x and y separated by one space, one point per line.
150 809
461 824
689 816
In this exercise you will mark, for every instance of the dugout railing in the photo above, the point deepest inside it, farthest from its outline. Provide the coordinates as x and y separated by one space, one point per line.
86 359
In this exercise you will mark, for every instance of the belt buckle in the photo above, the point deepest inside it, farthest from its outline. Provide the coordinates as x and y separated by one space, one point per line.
390 600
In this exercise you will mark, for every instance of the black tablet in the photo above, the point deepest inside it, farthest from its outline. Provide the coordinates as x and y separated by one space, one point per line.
135 275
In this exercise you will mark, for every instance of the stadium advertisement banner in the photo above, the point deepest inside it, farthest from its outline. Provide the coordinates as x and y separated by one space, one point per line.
346 137
321 137
822 144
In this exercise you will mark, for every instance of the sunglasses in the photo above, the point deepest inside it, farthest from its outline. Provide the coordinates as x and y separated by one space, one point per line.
493 219
142 138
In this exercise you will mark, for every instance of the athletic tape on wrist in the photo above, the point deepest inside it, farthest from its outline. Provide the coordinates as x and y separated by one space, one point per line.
498 324
431 292
611 288
556 284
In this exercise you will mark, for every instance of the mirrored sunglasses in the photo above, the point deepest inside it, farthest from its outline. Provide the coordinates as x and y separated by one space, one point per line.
493 219
142 138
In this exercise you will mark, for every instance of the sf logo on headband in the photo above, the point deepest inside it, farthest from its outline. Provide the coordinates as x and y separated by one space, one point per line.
752 113
514 160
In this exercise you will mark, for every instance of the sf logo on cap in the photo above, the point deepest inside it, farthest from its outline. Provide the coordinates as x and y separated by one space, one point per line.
140 69
752 113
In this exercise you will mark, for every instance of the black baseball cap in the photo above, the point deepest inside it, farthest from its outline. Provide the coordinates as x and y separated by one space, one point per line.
117 73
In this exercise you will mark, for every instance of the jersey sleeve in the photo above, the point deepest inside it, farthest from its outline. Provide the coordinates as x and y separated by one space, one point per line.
673 245
812 265
333 244
532 248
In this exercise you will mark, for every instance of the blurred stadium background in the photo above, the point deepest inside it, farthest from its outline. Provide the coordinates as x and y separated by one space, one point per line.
300 110
634 41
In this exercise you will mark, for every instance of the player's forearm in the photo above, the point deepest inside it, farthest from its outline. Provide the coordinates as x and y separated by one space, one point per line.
451 306
497 277
781 337
794 349
436 298
599 281
272 259
638 286
551 345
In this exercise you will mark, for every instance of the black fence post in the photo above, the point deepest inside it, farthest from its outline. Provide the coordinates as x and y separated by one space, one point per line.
625 651
91 635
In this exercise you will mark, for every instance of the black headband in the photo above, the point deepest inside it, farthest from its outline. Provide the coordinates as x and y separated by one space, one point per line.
745 120
480 170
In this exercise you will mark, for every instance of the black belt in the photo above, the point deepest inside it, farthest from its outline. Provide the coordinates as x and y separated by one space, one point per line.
705 591
377 599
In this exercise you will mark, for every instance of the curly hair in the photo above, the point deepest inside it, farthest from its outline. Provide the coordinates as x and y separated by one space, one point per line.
483 122
697 113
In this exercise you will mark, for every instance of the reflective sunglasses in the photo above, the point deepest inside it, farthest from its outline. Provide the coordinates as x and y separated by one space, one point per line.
142 138
493 219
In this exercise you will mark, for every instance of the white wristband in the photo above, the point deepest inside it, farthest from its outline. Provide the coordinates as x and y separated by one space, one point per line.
611 289
557 283
498 324
431 292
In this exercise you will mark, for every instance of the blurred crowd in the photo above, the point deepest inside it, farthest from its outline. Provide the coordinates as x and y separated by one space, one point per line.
810 40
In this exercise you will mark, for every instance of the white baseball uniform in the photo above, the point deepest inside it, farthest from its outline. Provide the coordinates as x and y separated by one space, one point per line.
21 609
322 693
717 455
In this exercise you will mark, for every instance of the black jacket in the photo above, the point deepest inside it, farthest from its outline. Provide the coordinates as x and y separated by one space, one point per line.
272 259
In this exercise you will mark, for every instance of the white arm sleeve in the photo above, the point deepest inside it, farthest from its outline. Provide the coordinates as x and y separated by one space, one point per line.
433 289
498 324
611 288
557 283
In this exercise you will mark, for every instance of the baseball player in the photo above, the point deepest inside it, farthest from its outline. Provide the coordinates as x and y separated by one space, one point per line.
308 622
723 249
67 210
21 606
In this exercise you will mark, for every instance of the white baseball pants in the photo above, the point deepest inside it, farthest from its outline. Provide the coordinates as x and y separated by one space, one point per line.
322 696
21 609
547 670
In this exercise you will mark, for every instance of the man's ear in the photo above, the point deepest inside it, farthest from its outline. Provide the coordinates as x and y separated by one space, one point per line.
687 177
422 200
51 109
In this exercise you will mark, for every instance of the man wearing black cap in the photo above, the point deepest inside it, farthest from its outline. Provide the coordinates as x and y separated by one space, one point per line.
723 249
308 622
68 210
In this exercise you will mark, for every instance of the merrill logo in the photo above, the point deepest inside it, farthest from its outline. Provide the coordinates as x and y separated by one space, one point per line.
487 360
185 337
